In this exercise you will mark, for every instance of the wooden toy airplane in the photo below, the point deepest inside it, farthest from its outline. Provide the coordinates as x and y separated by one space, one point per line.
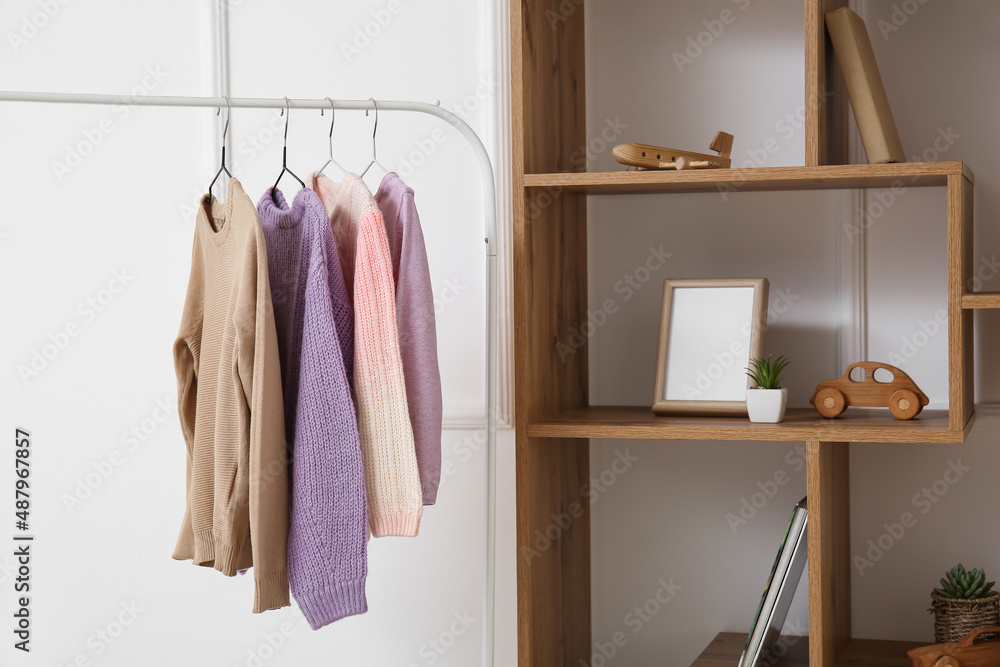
643 156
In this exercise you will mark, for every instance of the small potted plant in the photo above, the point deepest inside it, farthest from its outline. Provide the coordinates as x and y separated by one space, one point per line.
767 400
965 602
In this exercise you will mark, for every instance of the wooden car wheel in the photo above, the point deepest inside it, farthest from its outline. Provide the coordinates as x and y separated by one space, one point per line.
830 403
946 661
904 404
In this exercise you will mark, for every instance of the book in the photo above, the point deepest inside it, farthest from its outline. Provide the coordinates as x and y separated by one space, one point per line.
864 87
779 590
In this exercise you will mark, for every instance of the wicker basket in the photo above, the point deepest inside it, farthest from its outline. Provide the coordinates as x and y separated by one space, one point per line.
953 619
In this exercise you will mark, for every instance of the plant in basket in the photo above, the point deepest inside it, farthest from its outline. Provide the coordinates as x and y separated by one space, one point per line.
964 602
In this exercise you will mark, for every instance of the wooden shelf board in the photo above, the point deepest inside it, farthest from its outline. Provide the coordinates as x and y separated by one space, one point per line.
916 174
725 650
800 424
981 300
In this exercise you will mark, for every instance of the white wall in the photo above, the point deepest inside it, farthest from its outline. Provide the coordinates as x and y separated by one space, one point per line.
127 206
667 515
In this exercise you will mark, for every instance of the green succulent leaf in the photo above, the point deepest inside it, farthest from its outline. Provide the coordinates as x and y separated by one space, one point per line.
961 584
767 373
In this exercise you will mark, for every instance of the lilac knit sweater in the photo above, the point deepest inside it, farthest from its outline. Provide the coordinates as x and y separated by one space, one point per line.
327 535
415 323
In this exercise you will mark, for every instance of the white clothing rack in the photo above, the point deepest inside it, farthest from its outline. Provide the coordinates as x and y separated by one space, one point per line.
489 198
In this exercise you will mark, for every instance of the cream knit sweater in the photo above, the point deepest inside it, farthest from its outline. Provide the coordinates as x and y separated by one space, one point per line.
392 479
230 407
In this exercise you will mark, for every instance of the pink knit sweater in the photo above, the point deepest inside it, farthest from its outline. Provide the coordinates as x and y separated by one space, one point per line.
392 478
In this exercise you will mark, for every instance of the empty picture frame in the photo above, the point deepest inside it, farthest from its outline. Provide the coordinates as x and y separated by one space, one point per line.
709 331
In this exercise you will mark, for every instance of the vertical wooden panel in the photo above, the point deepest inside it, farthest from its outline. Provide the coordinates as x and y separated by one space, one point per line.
961 376
968 317
551 366
552 75
828 489
826 96
550 278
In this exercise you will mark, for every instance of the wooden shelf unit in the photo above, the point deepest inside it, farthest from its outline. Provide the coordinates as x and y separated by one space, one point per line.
553 418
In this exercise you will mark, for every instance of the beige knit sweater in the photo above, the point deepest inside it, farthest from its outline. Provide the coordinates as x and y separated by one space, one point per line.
229 402
392 479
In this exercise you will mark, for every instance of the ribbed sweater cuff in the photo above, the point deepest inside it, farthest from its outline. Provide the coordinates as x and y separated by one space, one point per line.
395 524
227 559
204 547
322 606
270 591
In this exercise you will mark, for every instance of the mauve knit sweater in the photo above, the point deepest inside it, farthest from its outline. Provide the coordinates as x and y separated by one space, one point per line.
417 330
327 535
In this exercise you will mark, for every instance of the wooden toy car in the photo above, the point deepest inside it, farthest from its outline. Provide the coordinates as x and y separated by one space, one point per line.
965 653
901 394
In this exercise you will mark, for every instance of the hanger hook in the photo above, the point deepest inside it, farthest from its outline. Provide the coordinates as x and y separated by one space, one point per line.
374 147
287 117
374 127
333 121
284 150
225 133
229 112
333 118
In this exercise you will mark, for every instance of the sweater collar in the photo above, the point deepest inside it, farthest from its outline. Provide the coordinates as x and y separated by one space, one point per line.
391 183
215 218
275 212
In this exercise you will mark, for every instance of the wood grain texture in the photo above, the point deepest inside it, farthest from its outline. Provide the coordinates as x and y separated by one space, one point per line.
981 300
725 650
730 181
800 424
968 319
961 359
826 95
550 278
828 491
551 75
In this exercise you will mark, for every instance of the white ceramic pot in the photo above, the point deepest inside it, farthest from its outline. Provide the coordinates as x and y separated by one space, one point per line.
767 406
